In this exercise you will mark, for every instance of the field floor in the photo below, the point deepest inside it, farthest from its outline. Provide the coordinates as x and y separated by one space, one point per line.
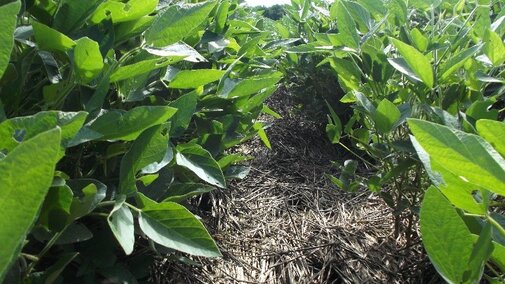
285 223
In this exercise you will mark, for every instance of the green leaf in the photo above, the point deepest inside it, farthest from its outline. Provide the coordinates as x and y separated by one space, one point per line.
419 63
446 238
123 12
494 48
419 40
120 125
56 208
345 23
186 106
69 122
493 131
177 22
150 149
249 86
139 68
25 176
88 193
121 224
131 29
8 18
73 14
88 61
222 16
466 156
50 39
171 225
201 163
258 126
179 192
386 115
482 250
457 61
188 79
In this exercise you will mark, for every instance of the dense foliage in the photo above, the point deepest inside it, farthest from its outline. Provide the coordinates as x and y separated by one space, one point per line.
425 80
113 113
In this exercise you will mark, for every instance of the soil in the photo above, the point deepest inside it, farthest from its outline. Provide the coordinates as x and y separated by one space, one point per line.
286 223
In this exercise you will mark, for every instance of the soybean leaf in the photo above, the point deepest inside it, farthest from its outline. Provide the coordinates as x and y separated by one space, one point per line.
200 162
181 191
494 48
419 63
123 125
135 69
386 116
177 22
493 131
56 208
123 12
401 65
121 224
73 14
171 225
445 236
246 87
131 29
258 126
177 49
345 23
187 79
88 193
419 40
186 106
457 61
467 156
25 176
50 39
151 147
482 250
69 122
88 61
8 18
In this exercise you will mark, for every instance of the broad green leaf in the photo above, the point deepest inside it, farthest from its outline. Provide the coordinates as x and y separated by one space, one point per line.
123 12
186 106
222 16
494 132
446 238
401 65
249 86
494 48
25 176
345 23
131 29
419 40
177 49
8 18
188 79
201 163
50 39
151 147
121 224
171 225
467 156
482 250
179 192
177 22
457 61
88 61
419 63
73 14
29 126
115 125
386 115
458 191
55 211
481 110
135 69
88 193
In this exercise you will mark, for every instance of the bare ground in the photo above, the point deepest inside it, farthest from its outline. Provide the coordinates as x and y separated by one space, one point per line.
285 223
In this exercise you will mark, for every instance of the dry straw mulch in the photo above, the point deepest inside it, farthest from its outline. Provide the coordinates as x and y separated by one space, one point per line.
285 223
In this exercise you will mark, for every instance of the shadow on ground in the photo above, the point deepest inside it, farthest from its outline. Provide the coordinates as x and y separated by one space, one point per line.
285 223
